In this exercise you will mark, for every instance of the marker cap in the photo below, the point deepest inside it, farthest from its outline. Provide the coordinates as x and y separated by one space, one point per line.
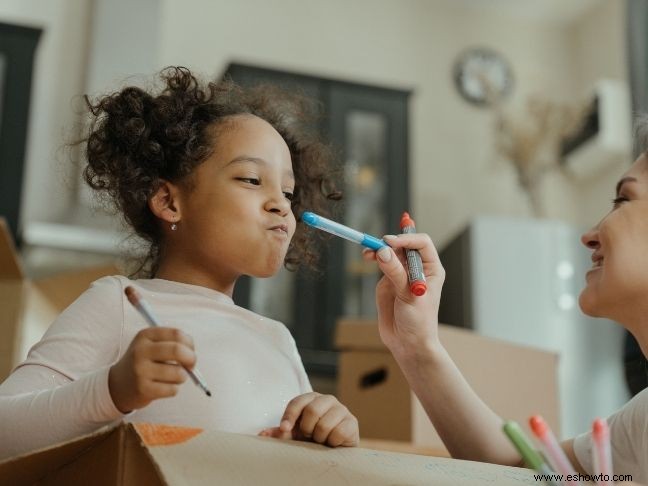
418 288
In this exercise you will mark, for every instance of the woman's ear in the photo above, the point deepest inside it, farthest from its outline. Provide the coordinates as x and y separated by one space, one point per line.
165 202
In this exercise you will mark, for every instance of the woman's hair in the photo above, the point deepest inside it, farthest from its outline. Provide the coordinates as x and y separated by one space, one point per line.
640 134
137 138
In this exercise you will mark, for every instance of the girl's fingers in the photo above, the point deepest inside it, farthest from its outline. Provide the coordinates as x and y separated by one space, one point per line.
328 422
294 410
167 373
313 412
276 433
346 433
168 334
155 390
171 351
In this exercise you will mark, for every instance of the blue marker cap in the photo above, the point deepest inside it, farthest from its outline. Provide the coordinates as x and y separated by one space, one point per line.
342 231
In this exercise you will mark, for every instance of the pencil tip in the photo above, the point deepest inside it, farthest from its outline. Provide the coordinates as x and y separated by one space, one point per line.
131 295
208 393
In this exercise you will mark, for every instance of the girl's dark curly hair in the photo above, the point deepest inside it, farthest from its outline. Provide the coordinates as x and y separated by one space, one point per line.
136 139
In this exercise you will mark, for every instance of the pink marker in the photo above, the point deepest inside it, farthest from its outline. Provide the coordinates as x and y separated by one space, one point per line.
601 453
552 450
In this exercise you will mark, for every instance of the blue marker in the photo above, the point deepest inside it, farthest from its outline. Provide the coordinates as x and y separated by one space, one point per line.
319 222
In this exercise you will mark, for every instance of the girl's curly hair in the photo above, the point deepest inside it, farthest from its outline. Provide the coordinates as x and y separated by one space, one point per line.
136 139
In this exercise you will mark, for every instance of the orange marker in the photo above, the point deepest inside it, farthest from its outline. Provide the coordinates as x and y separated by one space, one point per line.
415 274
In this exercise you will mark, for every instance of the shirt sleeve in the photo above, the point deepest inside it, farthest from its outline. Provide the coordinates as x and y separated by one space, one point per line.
61 389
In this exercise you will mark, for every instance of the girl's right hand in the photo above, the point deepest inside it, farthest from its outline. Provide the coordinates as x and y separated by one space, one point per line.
151 368
407 323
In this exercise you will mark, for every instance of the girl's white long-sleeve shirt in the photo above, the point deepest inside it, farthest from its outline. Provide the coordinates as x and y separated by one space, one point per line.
249 362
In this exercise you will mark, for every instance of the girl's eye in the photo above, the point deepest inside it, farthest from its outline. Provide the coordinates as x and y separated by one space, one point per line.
617 201
289 195
249 180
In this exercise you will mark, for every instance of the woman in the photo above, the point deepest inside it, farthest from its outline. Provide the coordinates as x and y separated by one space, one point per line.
616 288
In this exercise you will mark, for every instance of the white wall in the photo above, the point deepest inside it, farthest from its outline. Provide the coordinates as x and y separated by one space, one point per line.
455 173
600 52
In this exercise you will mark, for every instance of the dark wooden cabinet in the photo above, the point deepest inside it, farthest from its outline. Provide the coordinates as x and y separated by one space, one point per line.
17 49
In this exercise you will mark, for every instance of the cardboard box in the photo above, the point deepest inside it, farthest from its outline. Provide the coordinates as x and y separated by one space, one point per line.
515 381
28 308
147 454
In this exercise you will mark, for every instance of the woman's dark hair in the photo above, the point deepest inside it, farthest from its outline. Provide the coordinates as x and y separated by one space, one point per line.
137 138
640 134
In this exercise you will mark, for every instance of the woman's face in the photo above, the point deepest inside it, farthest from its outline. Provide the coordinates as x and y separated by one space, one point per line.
618 280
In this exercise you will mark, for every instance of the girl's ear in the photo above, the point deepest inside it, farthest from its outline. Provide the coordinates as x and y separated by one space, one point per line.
165 202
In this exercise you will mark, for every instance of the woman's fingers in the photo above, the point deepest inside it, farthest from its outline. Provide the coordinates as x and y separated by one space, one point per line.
423 243
394 271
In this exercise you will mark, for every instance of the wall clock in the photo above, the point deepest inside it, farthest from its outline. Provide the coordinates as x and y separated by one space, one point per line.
477 69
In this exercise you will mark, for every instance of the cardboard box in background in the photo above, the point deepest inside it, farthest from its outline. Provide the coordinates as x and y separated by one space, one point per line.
29 307
515 381
151 454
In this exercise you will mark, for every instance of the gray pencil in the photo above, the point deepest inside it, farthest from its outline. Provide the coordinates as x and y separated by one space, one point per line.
145 309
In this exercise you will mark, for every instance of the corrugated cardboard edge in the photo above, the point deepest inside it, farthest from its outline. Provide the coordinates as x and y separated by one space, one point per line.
32 466
128 462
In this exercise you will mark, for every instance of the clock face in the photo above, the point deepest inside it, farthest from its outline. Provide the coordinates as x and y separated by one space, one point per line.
477 71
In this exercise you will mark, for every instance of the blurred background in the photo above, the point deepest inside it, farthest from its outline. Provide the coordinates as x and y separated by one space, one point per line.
501 125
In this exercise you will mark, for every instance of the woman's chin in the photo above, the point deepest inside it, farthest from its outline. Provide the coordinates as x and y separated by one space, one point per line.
587 303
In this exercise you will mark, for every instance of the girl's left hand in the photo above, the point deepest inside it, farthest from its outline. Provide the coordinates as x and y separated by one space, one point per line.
318 418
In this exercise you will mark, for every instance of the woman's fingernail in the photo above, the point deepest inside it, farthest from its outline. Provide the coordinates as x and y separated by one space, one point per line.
384 254
390 237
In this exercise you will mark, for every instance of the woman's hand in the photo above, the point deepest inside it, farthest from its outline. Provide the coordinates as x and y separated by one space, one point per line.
318 418
151 368
406 321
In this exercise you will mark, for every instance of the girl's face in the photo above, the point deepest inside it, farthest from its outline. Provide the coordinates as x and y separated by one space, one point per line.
237 218
618 281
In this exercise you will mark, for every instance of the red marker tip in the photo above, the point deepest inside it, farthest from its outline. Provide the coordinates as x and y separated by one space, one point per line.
406 220
538 425
599 428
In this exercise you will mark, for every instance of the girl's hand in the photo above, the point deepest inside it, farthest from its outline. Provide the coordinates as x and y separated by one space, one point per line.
318 418
406 321
151 368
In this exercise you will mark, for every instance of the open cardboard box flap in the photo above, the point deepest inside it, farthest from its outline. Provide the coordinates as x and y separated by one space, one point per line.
29 307
155 454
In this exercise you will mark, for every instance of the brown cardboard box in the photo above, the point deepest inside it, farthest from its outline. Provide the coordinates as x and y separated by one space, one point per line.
147 454
28 308
515 381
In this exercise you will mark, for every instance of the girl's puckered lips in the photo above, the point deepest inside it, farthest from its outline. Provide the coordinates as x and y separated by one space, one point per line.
280 227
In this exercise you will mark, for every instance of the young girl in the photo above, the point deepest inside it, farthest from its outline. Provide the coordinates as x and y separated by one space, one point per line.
212 178
616 288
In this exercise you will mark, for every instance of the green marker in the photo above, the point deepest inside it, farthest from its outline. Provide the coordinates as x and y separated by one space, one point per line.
527 451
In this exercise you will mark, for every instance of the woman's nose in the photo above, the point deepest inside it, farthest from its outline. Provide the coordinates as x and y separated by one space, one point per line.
591 238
